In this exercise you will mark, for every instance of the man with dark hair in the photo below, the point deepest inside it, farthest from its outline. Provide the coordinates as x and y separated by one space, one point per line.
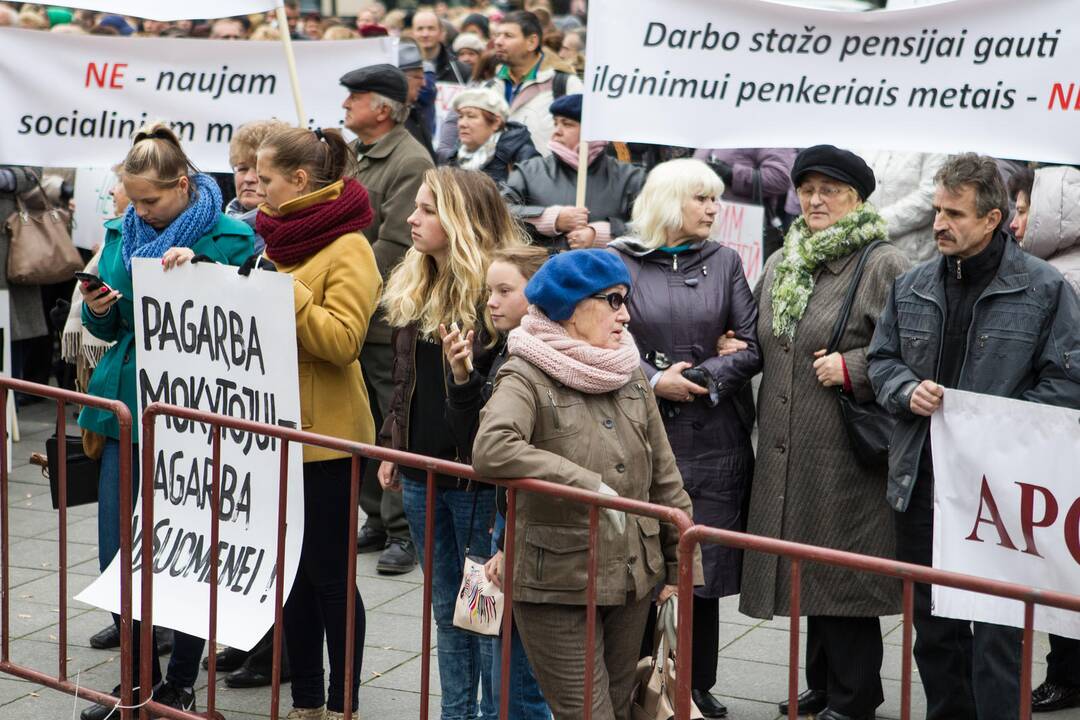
920 347
429 35
529 78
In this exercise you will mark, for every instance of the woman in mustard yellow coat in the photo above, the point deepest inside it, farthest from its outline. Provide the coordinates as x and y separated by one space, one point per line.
311 222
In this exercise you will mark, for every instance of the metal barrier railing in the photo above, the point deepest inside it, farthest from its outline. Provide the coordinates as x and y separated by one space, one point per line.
60 681
431 466
690 536
908 573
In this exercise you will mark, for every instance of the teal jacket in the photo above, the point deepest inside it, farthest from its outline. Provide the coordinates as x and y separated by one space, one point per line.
230 242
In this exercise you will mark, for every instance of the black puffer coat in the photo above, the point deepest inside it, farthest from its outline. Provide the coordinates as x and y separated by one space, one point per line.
514 147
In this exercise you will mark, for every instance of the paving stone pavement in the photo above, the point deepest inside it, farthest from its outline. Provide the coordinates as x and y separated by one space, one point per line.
752 661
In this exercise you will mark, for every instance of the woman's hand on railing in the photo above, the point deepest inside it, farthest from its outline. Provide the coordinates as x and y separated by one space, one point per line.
388 476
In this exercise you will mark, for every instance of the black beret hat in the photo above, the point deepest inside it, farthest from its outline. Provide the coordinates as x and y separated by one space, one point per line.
842 165
568 106
383 79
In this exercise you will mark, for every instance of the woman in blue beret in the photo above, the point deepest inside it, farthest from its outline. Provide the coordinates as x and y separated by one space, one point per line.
809 486
572 406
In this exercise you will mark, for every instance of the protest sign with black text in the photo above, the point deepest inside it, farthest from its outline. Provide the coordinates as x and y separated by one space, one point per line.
210 339
81 108
994 76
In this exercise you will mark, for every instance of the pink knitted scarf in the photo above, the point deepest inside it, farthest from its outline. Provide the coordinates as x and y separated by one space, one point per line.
574 363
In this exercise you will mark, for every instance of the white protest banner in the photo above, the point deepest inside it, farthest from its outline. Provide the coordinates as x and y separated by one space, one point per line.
93 205
187 10
740 226
82 103
444 102
1006 505
210 339
957 76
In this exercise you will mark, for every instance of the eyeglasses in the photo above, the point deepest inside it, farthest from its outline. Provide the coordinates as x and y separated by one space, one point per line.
827 192
615 300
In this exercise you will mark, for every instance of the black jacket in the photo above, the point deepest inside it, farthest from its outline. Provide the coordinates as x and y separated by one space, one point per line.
449 69
1023 343
514 147
537 184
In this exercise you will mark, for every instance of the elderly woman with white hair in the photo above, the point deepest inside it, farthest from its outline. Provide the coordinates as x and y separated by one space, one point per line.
487 141
688 292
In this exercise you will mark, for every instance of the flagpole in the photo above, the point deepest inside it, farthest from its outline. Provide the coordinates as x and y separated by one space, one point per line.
290 59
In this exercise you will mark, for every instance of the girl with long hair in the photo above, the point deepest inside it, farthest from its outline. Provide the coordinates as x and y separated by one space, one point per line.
458 223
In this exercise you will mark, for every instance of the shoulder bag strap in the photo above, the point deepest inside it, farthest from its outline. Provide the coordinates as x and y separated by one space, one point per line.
849 299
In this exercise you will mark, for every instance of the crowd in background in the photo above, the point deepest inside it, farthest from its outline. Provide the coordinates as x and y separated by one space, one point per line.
420 253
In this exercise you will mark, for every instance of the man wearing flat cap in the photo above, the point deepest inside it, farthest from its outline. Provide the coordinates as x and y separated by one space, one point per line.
985 317
391 164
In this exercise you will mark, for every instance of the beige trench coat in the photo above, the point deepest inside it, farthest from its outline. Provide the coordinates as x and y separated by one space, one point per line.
808 486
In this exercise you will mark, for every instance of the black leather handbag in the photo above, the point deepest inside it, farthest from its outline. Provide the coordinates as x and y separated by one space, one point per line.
869 426
82 472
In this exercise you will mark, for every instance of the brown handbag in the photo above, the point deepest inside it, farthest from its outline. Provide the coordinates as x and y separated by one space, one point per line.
41 251
654 688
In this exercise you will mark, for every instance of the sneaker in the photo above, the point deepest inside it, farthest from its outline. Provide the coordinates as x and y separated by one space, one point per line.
318 713
101 712
335 715
175 697
398 558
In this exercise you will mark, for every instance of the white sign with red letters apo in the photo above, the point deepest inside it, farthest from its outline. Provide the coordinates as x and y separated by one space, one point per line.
210 339
1006 505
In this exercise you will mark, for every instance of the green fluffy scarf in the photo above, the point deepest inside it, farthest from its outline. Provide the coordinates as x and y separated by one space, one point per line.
805 252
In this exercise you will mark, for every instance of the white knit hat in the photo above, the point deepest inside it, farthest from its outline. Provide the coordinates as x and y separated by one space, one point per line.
483 98
469 41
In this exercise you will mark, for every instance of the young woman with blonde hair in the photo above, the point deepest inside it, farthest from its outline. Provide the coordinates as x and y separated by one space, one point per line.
459 222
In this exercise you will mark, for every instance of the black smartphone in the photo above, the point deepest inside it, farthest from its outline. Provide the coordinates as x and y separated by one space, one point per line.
93 282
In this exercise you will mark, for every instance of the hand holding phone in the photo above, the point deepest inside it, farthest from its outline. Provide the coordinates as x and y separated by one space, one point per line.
90 282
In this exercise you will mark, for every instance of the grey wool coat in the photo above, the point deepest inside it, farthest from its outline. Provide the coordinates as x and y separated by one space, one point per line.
808 487
27 312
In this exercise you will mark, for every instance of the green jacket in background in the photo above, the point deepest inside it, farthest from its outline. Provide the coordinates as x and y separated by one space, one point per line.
230 242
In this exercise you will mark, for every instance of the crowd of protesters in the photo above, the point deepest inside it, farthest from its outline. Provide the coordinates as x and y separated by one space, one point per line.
454 300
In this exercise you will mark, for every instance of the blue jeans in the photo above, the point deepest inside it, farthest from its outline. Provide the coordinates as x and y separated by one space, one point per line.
187 649
464 658
526 700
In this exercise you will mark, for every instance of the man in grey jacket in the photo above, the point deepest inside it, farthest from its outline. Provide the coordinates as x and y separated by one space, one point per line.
986 318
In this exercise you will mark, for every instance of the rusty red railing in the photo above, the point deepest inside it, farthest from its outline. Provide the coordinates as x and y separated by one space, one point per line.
690 536
60 681
906 572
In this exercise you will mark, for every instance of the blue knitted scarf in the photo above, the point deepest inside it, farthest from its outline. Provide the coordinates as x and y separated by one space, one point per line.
199 218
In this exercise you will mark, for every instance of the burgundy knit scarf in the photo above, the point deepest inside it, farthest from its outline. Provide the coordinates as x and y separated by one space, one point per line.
291 238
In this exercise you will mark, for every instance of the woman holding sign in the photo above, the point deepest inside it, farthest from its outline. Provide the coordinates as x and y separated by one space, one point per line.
174 214
458 223
311 223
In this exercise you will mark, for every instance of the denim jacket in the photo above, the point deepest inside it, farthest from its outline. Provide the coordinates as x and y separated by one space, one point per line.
1023 343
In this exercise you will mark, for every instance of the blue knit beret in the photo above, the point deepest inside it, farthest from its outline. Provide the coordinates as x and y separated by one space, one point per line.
570 277
568 106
